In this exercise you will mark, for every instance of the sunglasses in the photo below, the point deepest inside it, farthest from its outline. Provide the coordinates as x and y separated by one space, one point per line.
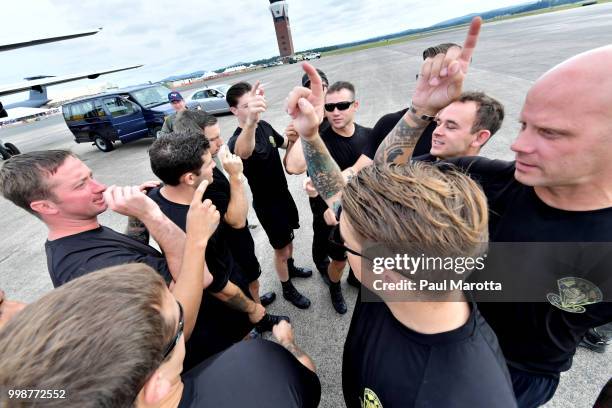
335 237
178 335
340 105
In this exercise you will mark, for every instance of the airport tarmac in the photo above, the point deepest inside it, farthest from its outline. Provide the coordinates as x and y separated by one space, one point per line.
510 55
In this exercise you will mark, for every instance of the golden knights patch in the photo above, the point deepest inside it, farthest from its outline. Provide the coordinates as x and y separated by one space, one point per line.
574 294
370 399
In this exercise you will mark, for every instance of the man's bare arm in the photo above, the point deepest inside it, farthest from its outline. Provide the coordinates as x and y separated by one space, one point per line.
233 296
323 170
202 221
440 82
238 207
245 143
399 144
294 159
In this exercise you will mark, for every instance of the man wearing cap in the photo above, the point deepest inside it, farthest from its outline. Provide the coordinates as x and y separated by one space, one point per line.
178 104
346 141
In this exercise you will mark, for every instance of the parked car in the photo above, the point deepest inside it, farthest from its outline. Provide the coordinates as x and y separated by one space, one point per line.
123 115
7 150
211 98
312 55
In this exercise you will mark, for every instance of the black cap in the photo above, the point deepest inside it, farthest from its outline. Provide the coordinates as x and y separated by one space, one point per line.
306 80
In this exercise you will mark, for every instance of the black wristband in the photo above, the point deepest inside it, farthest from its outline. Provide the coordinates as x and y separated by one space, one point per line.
422 117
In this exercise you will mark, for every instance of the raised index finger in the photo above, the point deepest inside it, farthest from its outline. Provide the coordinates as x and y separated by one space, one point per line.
316 85
470 41
199 193
255 88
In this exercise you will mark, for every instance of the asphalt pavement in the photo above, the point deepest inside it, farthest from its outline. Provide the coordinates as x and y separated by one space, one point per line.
510 55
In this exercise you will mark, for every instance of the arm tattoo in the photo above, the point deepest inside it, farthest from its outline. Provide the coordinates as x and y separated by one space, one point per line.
239 302
323 170
295 350
398 146
137 230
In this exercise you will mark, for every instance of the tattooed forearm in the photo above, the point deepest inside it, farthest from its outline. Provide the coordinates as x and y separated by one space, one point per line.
398 146
137 230
239 302
323 170
295 350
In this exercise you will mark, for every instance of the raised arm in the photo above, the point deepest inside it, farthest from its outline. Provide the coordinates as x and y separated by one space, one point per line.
440 82
305 106
256 104
238 207
131 201
202 221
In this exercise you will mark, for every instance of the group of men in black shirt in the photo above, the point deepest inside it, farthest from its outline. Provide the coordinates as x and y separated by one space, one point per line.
413 181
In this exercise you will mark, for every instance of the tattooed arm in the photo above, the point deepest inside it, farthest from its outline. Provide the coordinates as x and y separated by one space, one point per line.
137 230
284 335
323 170
399 144
233 296
440 82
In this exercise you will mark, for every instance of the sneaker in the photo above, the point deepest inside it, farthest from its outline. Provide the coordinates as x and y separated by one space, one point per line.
292 295
267 298
352 280
337 299
269 321
594 341
296 271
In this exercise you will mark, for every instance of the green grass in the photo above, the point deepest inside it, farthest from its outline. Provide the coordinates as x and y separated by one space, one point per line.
413 37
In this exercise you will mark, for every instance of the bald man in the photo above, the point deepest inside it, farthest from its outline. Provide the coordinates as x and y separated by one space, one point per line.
557 190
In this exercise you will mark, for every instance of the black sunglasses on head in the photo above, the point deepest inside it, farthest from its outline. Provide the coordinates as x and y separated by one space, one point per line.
340 105
178 335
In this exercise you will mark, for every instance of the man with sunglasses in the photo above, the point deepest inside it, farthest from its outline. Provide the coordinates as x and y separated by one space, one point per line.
404 347
77 356
345 141
556 194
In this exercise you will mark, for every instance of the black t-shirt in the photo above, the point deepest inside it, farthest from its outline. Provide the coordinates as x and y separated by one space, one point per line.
218 326
386 362
239 240
386 124
76 255
345 151
537 337
256 373
263 169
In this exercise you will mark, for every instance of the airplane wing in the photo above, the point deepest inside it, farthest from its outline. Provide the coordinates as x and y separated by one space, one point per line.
45 81
7 47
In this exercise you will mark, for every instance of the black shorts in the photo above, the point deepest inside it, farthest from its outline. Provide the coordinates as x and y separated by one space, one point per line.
320 237
278 218
242 248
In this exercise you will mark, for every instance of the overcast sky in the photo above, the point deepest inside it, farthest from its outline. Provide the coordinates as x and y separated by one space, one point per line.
189 35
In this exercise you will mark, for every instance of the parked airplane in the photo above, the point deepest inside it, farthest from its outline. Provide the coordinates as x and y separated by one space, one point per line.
37 85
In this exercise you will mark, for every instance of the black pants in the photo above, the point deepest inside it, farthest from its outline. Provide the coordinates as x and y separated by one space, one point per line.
532 390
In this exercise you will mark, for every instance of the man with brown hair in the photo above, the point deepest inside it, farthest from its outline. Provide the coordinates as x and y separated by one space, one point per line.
345 139
556 192
426 340
228 194
116 338
58 188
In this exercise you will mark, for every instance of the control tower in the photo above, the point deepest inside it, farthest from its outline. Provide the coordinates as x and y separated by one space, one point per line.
280 14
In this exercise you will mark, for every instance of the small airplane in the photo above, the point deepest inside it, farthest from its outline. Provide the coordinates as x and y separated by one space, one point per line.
37 85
